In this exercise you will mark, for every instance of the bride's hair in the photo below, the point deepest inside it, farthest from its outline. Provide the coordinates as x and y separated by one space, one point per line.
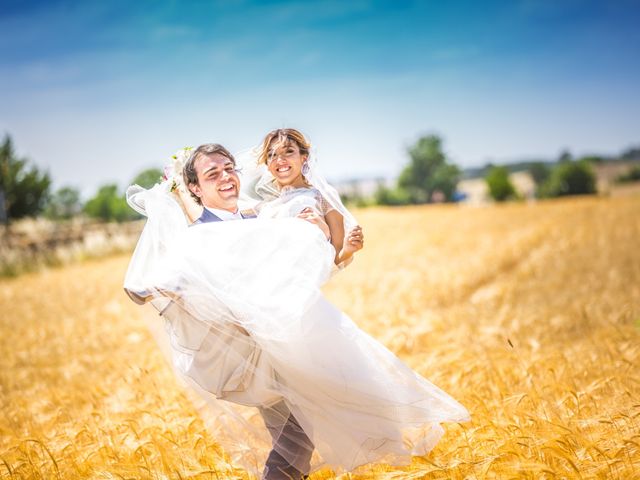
189 170
281 137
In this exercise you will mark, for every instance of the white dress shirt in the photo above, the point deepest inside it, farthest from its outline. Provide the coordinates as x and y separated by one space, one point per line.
225 214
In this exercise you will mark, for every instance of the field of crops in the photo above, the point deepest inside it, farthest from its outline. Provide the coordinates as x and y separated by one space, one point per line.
529 315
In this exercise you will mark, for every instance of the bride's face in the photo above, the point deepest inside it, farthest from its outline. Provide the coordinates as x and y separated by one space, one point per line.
285 164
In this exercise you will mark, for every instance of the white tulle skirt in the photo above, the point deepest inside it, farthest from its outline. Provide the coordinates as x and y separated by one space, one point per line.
246 323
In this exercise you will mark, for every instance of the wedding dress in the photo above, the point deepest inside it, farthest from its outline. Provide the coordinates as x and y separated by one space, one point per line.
254 329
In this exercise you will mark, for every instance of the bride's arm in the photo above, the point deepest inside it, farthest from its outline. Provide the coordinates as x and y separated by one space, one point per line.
345 245
336 226
189 206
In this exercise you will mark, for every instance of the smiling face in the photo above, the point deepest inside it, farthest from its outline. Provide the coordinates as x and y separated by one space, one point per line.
285 163
218 183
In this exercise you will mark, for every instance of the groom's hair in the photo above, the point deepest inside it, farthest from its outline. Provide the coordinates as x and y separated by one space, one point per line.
189 170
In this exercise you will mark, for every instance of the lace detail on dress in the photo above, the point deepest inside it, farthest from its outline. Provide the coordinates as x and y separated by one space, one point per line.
325 206
321 203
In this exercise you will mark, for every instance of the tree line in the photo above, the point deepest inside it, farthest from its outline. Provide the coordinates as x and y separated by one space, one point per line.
429 177
25 191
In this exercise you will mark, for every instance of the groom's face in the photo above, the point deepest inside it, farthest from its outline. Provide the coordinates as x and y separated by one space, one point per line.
218 183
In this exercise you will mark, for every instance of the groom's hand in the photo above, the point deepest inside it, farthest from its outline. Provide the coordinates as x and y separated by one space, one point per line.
311 216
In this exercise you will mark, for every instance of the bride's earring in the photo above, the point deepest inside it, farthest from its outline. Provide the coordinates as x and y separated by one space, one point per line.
305 169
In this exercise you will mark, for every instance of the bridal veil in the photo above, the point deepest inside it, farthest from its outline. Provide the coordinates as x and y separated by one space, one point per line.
246 325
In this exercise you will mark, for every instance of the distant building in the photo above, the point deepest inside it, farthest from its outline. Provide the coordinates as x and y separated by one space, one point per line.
362 187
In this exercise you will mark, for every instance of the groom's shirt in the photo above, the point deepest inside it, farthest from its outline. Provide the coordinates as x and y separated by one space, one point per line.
225 214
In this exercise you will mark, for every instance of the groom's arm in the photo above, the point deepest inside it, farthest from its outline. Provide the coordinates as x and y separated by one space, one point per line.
311 216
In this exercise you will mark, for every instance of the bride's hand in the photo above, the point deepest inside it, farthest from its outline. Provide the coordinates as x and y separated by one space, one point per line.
353 241
311 216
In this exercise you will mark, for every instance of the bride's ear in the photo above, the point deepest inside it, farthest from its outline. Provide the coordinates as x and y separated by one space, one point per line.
305 168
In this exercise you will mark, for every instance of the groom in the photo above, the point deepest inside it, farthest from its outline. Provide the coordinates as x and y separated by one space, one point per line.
212 179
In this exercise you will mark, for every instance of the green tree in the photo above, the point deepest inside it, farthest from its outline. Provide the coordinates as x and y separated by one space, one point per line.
428 172
148 178
23 190
391 196
565 156
592 159
632 175
64 204
540 172
500 187
632 153
109 205
570 178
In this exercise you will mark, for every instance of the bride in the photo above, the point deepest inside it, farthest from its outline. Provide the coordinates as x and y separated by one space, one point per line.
248 323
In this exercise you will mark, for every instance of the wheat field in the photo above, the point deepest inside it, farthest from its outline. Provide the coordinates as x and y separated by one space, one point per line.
528 314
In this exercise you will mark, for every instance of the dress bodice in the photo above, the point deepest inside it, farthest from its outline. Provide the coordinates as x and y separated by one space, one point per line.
292 201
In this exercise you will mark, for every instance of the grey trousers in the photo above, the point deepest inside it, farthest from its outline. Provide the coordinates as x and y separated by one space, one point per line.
290 456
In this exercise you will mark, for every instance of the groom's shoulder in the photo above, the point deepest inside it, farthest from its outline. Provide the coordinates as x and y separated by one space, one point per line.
206 217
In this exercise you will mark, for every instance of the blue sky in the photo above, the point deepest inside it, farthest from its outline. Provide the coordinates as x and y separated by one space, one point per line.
97 91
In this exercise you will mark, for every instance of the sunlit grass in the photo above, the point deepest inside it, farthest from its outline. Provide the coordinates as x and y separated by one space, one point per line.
527 314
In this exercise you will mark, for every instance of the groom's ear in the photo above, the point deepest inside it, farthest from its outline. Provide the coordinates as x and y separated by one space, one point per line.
195 189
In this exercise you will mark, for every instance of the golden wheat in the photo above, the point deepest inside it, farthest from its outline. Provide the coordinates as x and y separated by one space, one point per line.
528 314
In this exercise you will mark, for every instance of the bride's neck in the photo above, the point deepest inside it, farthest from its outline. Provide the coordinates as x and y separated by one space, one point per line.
299 182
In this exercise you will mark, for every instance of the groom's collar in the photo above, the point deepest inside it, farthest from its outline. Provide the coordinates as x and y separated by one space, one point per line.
224 214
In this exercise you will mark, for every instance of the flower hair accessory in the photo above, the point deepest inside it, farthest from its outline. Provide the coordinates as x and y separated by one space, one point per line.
173 171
